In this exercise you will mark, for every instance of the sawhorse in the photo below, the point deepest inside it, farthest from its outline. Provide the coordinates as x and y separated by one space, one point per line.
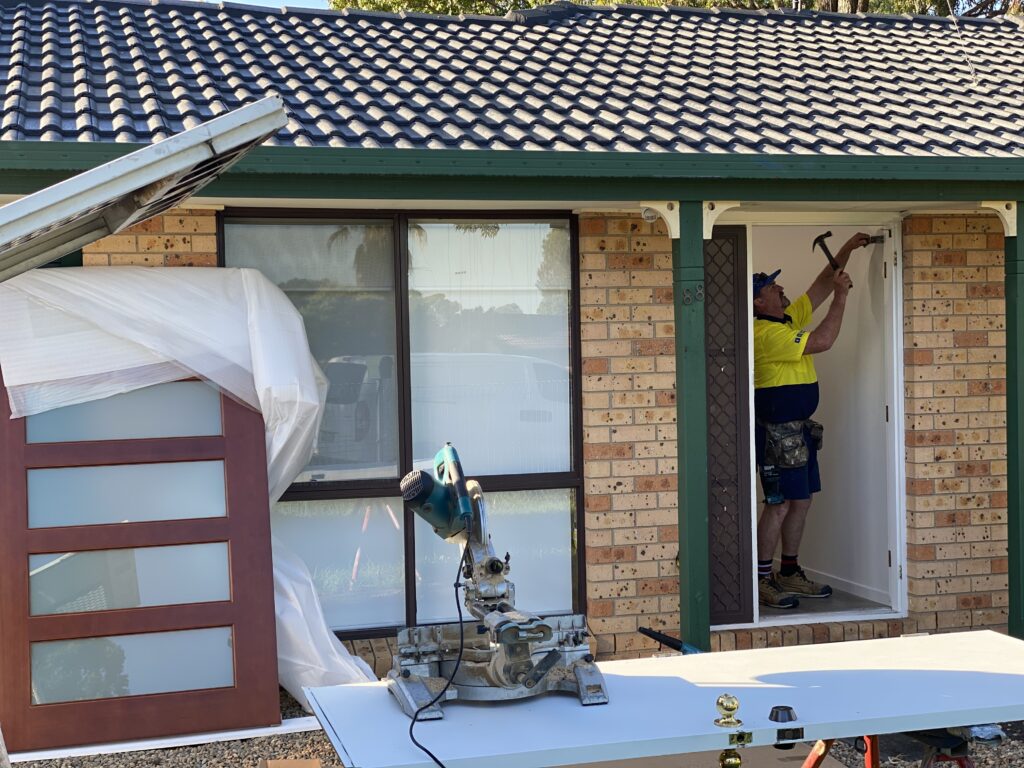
872 757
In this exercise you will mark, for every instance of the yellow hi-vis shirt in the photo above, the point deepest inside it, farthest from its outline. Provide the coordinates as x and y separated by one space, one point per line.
779 358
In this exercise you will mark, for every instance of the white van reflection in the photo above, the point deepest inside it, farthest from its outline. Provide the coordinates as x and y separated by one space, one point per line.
511 413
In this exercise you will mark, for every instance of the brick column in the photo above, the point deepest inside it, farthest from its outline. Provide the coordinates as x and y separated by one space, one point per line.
629 441
955 348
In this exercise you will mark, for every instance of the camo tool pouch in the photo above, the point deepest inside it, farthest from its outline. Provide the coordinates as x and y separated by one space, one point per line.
817 432
785 446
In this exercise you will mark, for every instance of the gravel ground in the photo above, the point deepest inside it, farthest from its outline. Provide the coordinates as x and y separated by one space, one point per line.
228 754
903 752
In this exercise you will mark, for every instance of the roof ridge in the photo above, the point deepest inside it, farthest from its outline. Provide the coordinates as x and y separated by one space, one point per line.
554 11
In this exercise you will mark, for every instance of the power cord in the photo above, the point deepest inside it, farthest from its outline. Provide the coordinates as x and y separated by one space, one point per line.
458 660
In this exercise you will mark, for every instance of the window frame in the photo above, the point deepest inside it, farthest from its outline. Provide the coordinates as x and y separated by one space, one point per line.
384 488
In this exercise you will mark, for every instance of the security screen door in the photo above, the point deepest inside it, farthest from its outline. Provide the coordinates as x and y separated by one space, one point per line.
136 591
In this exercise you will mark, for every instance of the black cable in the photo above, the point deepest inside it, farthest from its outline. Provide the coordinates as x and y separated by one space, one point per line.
458 660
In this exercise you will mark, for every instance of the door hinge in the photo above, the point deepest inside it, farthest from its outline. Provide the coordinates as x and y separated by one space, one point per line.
890 558
901 573
885 269
887 414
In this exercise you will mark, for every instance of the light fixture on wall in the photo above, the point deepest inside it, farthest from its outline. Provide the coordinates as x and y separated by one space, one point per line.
649 215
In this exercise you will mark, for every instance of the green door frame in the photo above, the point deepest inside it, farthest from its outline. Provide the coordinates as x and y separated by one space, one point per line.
691 426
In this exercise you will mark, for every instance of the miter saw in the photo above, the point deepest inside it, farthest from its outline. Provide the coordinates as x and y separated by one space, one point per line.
505 653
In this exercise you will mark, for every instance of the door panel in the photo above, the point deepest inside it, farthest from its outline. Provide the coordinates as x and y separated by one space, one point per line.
190 657
726 325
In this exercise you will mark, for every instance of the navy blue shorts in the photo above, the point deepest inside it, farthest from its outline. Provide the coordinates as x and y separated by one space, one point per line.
793 483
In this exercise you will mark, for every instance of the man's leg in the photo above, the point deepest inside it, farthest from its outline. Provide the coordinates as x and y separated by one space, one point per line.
791 578
793 525
769 530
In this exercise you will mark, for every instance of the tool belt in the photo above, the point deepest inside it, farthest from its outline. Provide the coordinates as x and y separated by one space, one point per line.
786 442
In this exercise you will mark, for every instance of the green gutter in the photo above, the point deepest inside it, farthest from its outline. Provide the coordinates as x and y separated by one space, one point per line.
1015 422
22 155
691 427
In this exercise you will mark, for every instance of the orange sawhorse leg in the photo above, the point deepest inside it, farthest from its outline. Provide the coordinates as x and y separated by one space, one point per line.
872 757
818 754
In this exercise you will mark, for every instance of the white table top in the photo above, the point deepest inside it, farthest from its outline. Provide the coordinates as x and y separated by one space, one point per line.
666 706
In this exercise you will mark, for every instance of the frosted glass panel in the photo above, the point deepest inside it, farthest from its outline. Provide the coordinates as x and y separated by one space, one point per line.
340 276
113 579
534 526
177 409
489 333
131 665
354 550
127 493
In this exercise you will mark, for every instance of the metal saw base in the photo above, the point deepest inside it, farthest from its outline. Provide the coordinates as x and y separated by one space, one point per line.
427 655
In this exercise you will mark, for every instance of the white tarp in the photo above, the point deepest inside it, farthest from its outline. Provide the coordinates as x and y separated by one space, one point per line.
72 335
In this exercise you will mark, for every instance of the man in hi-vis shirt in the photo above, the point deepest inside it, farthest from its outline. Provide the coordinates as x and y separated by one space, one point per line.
785 398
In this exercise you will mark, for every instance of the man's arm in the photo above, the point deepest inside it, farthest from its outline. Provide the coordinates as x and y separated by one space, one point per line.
823 285
825 335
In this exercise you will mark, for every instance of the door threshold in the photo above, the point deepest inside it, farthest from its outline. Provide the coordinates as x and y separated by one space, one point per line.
789 619
292 725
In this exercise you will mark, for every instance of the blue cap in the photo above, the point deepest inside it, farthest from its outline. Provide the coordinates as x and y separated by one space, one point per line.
762 279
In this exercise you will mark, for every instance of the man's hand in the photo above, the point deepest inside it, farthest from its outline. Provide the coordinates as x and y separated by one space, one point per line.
842 283
857 241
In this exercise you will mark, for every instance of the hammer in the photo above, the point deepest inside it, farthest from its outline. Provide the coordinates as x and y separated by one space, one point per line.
819 241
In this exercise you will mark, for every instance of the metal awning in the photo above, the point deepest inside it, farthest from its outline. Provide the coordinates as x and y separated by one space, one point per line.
60 219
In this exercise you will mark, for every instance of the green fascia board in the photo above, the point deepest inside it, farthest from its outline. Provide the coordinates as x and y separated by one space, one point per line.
328 161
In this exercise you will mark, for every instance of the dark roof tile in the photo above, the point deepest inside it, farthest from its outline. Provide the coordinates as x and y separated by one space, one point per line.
562 77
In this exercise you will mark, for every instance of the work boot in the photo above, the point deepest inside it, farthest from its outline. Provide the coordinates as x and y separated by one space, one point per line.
798 584
769 593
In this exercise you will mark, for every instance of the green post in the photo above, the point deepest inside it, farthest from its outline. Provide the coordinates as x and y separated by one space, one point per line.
692 426
1015 421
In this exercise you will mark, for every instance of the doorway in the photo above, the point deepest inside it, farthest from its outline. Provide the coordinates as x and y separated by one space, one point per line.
854 539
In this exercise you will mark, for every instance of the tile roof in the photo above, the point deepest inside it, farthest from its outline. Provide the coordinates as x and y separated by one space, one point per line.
564 77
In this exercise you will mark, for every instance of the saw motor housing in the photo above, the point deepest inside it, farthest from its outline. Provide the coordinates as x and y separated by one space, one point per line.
507 653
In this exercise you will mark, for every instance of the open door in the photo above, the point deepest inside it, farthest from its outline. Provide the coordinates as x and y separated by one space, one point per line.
729 465
136 580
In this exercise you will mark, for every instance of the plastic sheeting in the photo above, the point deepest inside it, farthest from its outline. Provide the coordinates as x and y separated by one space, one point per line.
72 335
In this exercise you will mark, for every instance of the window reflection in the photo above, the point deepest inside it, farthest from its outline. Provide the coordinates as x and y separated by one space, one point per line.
355 552
489 334
340 276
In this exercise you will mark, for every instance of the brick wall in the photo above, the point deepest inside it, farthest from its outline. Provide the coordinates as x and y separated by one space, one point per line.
629 438
179 238
955 347
955 404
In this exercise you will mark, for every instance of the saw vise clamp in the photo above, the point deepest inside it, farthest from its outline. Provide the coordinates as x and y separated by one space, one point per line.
506 653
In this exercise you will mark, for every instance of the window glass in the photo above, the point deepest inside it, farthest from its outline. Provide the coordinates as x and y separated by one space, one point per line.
535 527
131 665
355 552
340 276
114 579
125 493
177 409
489 338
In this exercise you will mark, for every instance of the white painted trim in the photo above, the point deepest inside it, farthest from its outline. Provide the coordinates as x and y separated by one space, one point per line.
292 725
1006 210
897 444
750 419
800 218
712 210
669 211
